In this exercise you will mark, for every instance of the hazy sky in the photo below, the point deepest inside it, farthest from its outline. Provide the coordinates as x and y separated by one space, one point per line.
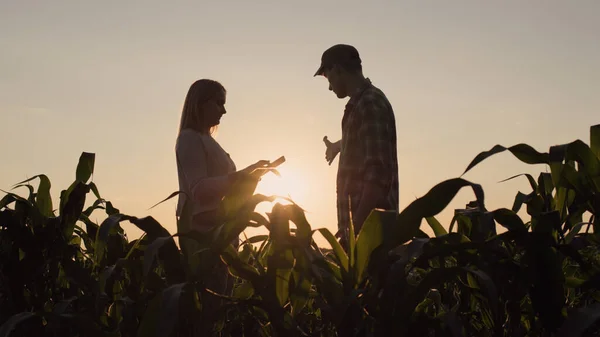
110 77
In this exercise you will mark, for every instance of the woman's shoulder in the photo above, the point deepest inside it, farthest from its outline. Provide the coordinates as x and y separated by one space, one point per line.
188 138
189 135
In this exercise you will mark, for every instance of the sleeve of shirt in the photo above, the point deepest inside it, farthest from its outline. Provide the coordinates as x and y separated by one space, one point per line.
191 155
375 135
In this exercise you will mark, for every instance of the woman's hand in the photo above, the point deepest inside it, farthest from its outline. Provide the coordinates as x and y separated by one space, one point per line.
255 166
249 172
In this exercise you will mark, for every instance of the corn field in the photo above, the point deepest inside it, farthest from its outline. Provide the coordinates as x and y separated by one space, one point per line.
62 274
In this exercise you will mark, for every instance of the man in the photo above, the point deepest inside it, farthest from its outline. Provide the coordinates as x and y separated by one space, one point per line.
367 176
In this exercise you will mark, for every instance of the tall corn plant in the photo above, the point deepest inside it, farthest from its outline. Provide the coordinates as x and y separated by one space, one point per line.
55 275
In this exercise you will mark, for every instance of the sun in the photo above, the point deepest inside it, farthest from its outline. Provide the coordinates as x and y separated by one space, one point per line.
289 185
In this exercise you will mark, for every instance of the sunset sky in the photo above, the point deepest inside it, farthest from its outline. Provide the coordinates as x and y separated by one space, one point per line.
110 77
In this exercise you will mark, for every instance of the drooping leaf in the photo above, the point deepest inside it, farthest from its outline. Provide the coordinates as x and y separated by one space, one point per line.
509 220
111 210
433 203
8 199
521 199
531 180
523 152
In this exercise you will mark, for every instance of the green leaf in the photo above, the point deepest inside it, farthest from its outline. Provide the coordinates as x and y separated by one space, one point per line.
72 208
107 226
488 286
431 204
8 199
151 252
509 220
523 152
85 167
150 226
170 308
338 251
152 314
10 324
104 276
546 186
574 231
521 199
94 189
165 248
299 295
243 291
297 216
111 210
369 238
235 223
96 205
43 199
436 226
172 195
239 268
432 280
573 282
283 273
579 321
29 187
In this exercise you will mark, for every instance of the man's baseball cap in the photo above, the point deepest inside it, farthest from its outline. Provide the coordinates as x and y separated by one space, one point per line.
342 54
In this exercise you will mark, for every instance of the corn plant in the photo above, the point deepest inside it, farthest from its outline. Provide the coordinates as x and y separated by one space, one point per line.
62 274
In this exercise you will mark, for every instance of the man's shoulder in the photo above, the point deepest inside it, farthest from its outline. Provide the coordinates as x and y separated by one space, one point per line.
374 98
374 92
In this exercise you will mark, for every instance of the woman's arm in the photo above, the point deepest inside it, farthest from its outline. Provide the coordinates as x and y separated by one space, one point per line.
191 156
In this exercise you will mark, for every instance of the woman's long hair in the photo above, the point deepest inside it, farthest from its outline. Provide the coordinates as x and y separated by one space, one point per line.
192 116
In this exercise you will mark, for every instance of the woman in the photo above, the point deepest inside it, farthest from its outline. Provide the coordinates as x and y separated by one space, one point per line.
205 170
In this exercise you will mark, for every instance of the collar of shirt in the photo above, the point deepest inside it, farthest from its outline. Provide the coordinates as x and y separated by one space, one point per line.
354 98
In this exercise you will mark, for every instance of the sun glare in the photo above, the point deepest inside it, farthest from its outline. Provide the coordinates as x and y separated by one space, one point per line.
289 185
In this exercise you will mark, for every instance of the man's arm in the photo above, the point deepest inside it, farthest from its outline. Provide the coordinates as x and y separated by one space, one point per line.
375 135
332 149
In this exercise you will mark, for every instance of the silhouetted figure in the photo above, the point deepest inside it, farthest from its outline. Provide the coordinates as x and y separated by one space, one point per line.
367 176
205 171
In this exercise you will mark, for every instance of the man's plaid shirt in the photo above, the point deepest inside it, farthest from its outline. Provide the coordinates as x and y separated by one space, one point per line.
368 152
